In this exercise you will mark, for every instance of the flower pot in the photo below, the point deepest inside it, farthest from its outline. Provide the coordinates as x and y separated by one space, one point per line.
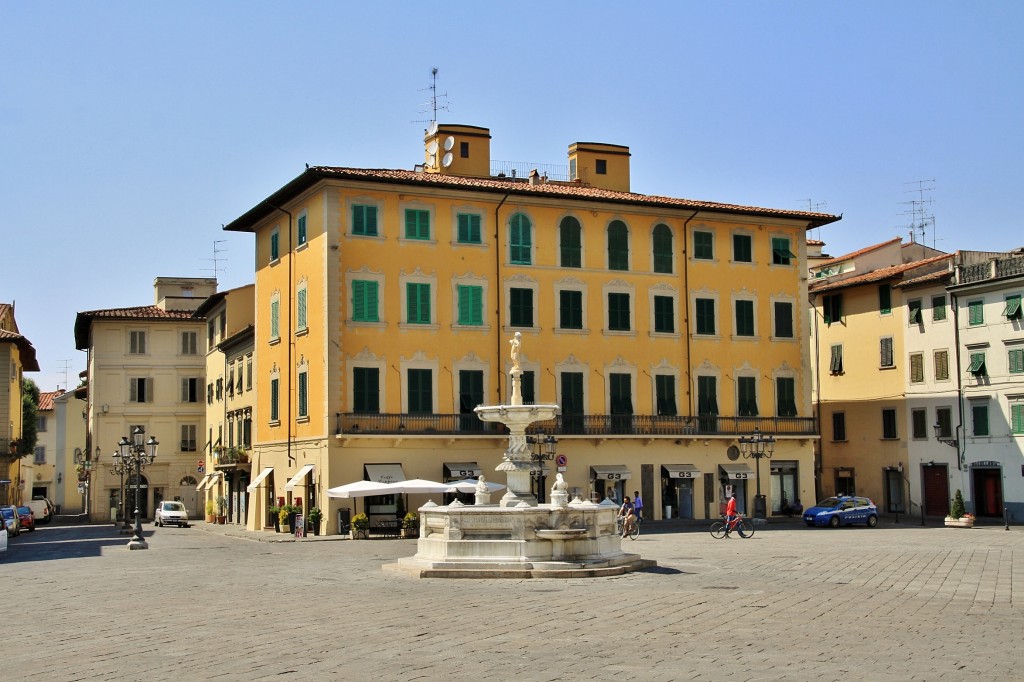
959 523
209 518
221 520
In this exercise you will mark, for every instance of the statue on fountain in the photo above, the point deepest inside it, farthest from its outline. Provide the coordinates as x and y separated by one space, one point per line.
483 494
559 492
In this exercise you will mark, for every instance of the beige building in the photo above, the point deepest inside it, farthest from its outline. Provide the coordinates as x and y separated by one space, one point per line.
146 369
17 356
39 470
70 438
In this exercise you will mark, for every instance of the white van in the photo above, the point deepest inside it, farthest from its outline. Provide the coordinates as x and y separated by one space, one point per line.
42 508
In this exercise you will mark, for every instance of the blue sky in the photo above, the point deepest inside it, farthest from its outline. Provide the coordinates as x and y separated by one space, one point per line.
130 132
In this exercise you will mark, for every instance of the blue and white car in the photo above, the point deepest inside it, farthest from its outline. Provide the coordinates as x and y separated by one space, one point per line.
842 510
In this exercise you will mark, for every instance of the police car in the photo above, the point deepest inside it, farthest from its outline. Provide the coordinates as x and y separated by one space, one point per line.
842 510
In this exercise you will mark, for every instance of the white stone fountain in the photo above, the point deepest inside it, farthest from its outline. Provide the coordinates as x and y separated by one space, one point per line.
519 538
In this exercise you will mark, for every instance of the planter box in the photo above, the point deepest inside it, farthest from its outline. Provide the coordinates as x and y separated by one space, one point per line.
959 523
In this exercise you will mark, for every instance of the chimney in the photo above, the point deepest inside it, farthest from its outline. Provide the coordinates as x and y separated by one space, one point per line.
452 149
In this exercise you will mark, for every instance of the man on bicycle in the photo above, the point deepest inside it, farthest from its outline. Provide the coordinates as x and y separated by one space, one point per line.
626 516
730 514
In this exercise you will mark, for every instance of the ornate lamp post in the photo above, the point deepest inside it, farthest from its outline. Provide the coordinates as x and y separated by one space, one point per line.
138 454
120 468
756 446
543 449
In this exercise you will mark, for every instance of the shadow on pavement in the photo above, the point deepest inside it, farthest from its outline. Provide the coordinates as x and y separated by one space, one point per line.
51 543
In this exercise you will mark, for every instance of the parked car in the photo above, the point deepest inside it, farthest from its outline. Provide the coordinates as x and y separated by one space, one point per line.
171 513
11 522
842 510
27 519
42 508
3 538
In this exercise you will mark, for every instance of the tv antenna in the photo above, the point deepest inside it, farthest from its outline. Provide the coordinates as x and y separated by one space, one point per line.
814 207
64 370
921 218
217 258
435 104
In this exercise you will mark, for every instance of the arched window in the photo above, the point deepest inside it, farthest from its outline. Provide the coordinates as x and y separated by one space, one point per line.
570 243
188 481
618 246
520 238
662 249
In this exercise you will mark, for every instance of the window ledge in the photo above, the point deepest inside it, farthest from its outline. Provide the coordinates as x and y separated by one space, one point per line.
619 332
302 332
664 335
744 339
782 339
411 326
378 237
572 332
369 325
478 245
470 327
274 422
302 247
302 420
411 240
274 341
508 328
274 261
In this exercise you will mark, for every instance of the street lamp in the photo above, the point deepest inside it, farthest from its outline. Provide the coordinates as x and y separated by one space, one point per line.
121 467
755 447
135 452
543 450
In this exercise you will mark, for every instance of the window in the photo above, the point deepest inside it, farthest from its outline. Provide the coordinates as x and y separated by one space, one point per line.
301 230
570 309
366 389
275 245
919 424
275 404
783 320
979 418
417 224
665 394
620 387
238 386
744 318
884 299
618 246
975 312
468 228
618 312
889 423
464 150
303 393
471 394
742 248
746 388
662 242
365 301
275 318
839 426
705 316
190 388
417 303
601 166
220 388
570 243
1012 309
703 245
140 390
209 394
941 365
664 315
836 363
527 385
885 352
572 401
944 418
832 308
137 343
977 366
916 368
364 220
914 312
520 307
188 438
1017 418
785 396
41 423
471 305
40 454
781 255
1015 360
520 240
300 308
938 308
421 399
707 396
189 342
248 372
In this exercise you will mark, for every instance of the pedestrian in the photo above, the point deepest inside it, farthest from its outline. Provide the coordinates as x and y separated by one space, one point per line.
730 513
610 493
638 505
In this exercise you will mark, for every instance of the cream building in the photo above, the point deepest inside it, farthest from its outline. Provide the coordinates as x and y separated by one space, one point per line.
17 356
70 442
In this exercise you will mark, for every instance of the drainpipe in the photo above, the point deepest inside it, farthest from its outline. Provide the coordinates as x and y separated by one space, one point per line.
291 336
686 307
497 292
959 384
820 465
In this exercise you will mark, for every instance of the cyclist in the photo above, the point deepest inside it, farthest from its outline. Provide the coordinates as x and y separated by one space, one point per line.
730 514
626 516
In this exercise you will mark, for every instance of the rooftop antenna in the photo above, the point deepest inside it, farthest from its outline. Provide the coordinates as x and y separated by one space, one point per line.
434 104
217 258
64 371
921 218
814 207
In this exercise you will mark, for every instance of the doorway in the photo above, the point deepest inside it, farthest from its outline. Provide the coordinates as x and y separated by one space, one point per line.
988 491
935 481
189 496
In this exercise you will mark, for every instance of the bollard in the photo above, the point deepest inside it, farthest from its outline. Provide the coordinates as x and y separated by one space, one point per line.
1006 518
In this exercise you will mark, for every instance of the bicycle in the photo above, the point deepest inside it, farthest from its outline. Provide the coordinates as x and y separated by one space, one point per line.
634 532
719 528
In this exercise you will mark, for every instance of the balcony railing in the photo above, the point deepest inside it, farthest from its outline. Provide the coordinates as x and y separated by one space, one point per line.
993 269
355 423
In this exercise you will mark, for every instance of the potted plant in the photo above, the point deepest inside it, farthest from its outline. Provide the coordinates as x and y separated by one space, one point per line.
211 509
293 511
958 516
360 525
275 512
315 517
282 518
222 509
410 525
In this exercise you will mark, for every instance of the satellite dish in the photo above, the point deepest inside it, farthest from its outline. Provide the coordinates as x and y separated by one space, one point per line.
432 147
449 142
432 161
733 453
432 128
447 160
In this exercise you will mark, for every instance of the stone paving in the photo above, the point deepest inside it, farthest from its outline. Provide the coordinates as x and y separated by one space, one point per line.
891 603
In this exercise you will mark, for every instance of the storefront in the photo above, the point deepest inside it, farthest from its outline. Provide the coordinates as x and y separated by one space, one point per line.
677 490
608 479
733 478
382 506
785 486
460 471
266 480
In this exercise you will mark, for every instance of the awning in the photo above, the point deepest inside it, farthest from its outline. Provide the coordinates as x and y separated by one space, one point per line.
384 473
610 472
737 472
259 479
460 470
202 483
214 477
297 478
680 471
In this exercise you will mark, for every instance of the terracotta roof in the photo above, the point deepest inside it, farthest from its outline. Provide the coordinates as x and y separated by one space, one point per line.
146 312
855 254
564 190
930 278
28 352
815 242
46 399
879 275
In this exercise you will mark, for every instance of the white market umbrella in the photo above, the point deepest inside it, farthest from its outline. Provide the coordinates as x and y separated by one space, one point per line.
468 485
361 489
418 486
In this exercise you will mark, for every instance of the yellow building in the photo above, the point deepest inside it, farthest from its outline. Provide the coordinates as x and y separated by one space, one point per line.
17 356
665 329
859 335
39 471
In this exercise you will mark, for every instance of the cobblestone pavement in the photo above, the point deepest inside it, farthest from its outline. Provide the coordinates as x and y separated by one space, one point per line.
891 603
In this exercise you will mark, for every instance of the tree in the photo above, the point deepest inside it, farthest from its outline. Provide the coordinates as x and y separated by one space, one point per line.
29 417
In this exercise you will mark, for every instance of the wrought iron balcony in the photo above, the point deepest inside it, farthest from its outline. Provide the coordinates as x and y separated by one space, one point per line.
358 423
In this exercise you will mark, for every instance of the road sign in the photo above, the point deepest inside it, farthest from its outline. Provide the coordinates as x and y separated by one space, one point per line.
201 463
561 460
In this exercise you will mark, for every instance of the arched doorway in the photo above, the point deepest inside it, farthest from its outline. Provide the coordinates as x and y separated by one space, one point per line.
143 491
189 496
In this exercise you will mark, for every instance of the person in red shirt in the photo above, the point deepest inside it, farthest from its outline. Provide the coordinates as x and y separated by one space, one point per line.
730 514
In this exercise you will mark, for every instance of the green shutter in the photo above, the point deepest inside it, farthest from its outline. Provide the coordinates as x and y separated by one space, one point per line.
470 305
364 301
1017 418
302 230
469 228
664 315
274 393
364 220
705 316
885 299
618 246
744 318
417 301
275 328
747 396
976 312
665 390
570 309
1012 309
618 312
366 389
417 224
703 245
303 394
741 248
786 397
521 307
662 249
707 396
300 309
1016 360
570 244
784 320
520 240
